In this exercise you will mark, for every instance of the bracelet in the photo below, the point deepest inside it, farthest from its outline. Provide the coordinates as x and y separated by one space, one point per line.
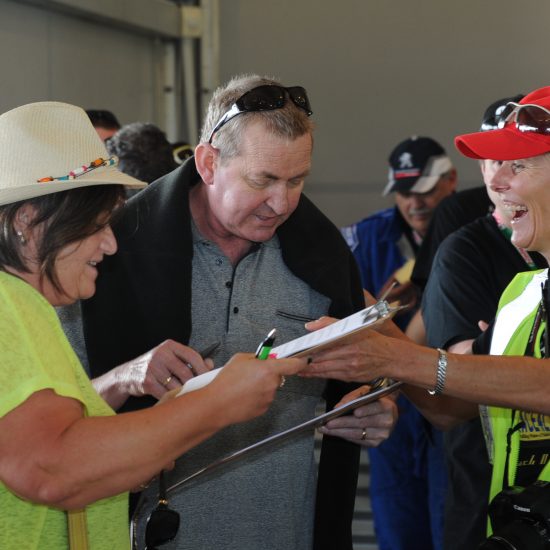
441 373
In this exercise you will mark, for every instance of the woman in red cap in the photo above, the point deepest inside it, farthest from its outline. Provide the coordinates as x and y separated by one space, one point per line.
517 426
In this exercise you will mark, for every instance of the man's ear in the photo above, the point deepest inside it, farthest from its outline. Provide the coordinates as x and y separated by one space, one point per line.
206 157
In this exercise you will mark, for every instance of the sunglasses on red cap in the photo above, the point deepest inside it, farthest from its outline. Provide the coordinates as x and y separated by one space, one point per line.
267 97
528 117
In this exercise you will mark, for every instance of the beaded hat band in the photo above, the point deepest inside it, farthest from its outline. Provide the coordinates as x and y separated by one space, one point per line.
84 169
40 146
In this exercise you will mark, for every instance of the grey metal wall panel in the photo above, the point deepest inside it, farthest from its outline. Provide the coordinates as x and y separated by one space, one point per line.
380 70
54 56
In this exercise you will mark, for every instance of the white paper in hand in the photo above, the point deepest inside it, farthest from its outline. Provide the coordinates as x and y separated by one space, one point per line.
199 381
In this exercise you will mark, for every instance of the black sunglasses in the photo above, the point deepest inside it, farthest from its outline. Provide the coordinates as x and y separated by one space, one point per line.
528 118
163 523
267 97
493 120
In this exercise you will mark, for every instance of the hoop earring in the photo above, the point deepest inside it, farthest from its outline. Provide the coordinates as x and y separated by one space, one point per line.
22 239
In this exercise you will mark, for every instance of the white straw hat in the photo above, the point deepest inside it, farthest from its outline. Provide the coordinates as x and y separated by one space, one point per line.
49 147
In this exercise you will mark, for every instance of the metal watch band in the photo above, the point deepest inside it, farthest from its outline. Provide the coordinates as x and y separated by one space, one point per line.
441 373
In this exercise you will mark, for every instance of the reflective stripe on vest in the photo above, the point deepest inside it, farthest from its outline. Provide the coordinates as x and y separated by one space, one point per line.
515 318
511 315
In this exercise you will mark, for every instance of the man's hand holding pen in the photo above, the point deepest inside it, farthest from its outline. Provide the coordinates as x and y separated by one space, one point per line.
166 367
163 369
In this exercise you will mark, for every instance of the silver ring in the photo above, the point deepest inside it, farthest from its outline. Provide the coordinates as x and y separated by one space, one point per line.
283 380
190 367
364 434
167 381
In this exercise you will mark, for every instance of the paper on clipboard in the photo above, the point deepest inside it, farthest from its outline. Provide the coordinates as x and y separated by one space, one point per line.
315 422
341 331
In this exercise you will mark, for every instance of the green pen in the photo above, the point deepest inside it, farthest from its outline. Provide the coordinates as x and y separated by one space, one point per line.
265 346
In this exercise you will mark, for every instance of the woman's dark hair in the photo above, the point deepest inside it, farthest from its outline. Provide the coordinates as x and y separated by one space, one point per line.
66 217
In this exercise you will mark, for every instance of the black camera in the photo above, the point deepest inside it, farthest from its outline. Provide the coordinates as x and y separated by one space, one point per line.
520 517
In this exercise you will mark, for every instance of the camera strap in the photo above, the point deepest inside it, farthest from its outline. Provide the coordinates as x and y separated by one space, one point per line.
540 317
532 340
509 435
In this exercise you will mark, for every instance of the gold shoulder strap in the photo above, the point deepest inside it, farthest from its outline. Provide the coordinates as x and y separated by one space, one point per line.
78 529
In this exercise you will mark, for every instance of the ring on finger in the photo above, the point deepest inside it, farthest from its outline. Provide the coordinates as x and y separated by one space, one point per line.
283 380
167 381
364 434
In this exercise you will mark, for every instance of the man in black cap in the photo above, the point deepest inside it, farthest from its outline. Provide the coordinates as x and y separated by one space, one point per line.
407 471
421 175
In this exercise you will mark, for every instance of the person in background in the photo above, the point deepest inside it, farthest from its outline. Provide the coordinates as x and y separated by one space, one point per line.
408 477
143 151
65 458
105 123
421 176
470 271
454 211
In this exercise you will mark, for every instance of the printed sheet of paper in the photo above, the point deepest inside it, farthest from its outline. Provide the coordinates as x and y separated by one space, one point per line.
338 331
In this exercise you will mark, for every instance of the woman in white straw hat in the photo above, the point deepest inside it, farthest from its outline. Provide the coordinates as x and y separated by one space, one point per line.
61 446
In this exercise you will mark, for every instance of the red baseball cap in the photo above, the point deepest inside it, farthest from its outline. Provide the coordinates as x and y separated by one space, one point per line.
508 143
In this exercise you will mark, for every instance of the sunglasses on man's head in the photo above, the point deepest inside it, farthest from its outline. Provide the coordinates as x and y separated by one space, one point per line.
527 117
267 97
163 523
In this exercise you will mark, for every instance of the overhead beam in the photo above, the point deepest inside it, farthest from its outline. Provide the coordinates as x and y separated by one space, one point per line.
151 17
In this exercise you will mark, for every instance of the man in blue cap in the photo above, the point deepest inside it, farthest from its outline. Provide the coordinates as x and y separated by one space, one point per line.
408 477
